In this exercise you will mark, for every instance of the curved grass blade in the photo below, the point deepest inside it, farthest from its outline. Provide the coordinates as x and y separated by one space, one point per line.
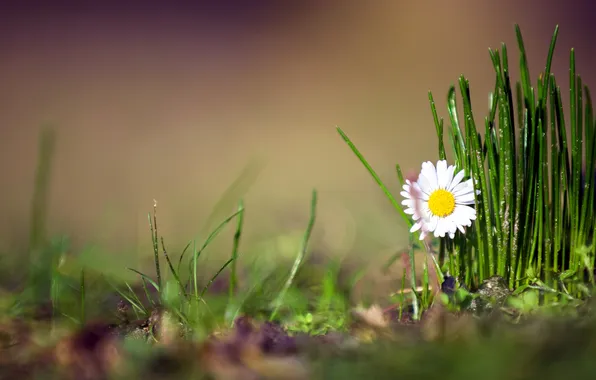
230 260
174 273
233 275
147 278
438 126
299 258
208 241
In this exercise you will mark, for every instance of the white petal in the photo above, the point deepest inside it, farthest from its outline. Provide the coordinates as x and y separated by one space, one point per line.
424 185
450 171
465 198
440 230
442 174
457 179
420 192
430 173
432 224
462 188
416 227
408 202
464 214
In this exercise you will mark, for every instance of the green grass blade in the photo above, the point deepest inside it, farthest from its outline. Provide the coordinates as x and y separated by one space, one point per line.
208 285
182 255
576 157
208 241
438 126
299 258
147 278
133 301
237 235
549 60
171 266
393 201
457 140
155 241
483 222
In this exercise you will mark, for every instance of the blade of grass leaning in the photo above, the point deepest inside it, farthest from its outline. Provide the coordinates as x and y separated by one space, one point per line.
174 272
182 255
299 258
457 140
137 306
147 294
171 266
375 177
210 282
147 278
438 126
233 272
136 298
400 175
210 238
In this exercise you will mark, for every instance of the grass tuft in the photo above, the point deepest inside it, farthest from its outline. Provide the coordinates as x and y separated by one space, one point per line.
535 211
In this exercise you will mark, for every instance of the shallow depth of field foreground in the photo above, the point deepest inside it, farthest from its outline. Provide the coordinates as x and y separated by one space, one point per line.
495 280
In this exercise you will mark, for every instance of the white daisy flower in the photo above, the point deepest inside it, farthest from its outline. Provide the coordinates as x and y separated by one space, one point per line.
438 201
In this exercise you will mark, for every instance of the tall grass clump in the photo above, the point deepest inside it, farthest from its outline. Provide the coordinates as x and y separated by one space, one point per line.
535 212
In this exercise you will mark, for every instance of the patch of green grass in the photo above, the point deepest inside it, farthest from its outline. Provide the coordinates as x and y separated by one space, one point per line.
535 213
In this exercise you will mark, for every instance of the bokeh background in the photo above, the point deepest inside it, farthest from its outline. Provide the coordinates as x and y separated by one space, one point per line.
172 101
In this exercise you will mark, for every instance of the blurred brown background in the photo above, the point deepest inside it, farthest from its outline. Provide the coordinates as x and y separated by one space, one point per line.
171 102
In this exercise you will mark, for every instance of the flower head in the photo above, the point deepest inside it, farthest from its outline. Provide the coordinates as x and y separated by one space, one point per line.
439 201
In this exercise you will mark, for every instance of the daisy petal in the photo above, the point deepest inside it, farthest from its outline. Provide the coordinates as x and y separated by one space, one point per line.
465 198
450 171
442 174
430 173
416 227
457 179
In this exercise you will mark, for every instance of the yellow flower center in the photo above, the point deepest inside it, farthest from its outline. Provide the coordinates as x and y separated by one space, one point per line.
441 203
